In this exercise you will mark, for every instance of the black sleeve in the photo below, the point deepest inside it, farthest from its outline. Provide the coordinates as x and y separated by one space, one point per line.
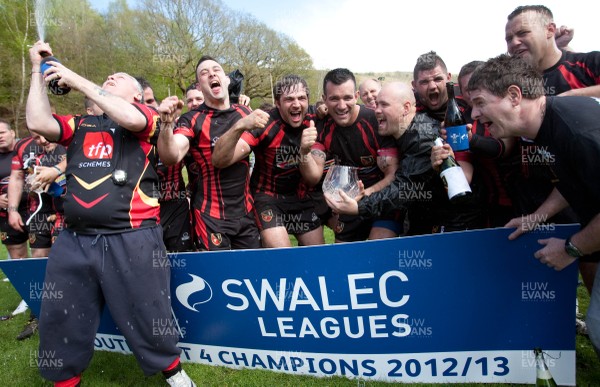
391 197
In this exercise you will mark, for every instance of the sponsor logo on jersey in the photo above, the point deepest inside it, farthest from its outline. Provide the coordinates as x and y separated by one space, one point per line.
98 146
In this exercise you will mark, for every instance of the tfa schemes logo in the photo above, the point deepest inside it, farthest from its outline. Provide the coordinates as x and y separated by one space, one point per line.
98 145
322 316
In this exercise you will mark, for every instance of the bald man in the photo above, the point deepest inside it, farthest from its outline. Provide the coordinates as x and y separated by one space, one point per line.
414 134
368 91
111 251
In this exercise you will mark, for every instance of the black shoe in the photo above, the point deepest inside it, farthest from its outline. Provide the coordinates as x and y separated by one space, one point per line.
6 317
30 328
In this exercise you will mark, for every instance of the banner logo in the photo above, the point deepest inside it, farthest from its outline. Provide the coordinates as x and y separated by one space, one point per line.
198 288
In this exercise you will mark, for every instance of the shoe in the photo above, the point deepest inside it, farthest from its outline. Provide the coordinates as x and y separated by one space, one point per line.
21 308
581 327
181 379
6 280
6 317
30 328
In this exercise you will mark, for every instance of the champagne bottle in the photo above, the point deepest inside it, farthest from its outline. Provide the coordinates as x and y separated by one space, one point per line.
57 187
543 376
454 179
53 86
455 123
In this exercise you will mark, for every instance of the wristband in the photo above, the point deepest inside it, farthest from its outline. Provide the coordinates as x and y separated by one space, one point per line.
58 169
12 209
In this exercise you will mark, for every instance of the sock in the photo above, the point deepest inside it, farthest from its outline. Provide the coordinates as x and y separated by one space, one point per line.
73 382
172 369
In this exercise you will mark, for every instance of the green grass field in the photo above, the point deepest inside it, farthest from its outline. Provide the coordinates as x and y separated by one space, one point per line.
18 360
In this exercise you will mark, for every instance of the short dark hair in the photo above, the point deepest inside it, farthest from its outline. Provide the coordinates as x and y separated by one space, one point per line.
499 73
286 84
540 9
192 86
143 82
469 68
337 77
203 58
428 61
88 103
3 121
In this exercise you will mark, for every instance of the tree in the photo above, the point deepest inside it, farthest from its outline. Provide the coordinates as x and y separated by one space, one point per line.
181 31
263 56
15 35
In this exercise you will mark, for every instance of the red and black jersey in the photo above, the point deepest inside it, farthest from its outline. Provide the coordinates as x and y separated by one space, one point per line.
29 154
221 193
171 183
357 145
440 114
97 147
277 156
574 70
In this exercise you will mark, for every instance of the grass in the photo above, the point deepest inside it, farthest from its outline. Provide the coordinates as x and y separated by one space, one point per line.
112 369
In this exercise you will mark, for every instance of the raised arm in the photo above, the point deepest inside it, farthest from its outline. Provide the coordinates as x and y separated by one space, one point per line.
37 110
312 160
230 148
171 147
118 107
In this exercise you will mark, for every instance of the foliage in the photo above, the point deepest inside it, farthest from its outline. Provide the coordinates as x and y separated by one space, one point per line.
160 40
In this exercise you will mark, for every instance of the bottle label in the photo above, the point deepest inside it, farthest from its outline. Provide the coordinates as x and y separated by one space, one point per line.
455 181
458 138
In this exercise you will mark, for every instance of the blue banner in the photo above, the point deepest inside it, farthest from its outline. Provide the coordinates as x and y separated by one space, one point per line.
446 308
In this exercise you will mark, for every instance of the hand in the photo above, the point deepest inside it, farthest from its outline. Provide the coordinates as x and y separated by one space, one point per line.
244 100
439 154
346 205
553 254
169 109
563 36
309 137
255 120
35 53
43 177
15 221
65 77
522 224
469 131
361 191
322 111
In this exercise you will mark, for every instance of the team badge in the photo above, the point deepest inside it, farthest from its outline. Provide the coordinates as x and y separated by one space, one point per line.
216 238
367 161
267 215
3 236
339 227
32 238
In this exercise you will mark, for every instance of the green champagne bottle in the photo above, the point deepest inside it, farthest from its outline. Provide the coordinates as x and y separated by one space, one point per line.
543 376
